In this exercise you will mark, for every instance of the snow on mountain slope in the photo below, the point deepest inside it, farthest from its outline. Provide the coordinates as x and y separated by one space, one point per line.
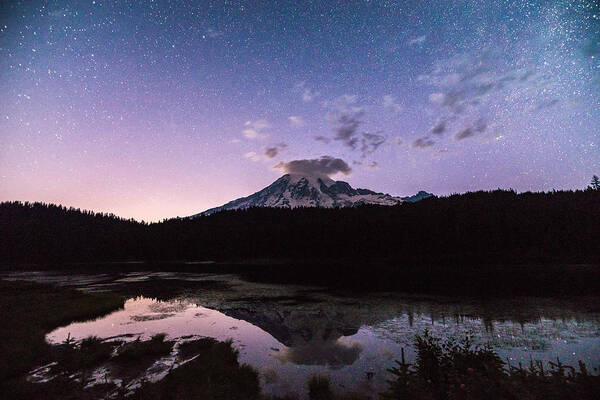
292 190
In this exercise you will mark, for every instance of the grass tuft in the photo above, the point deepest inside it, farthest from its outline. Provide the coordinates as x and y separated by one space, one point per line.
33 310
214 374
451 369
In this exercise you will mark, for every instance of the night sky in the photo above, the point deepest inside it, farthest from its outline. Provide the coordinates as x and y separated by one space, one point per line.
154 109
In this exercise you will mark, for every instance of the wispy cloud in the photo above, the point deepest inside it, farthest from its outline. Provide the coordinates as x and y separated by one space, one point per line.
63 12
370 142
323 139
212 34
306 93
547 104
465 133
296 121
255 129
273 151
369 165
422 143
347 128
440 126
347 116
478 127
468 86
346 103
389 102
251 155
417 41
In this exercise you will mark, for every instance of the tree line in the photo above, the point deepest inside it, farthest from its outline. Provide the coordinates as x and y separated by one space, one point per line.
492 227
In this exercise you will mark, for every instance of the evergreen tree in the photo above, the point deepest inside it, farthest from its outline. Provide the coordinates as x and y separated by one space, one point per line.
595 184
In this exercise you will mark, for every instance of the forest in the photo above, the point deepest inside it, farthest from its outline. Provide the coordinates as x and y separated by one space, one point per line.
473 241
490 227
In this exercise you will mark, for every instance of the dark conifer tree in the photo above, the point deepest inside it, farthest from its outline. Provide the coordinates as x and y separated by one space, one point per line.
595 184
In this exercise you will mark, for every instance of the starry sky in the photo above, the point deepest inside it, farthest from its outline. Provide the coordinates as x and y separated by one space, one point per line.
155 109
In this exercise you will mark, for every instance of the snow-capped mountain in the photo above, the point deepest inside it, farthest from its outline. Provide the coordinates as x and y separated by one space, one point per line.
293 190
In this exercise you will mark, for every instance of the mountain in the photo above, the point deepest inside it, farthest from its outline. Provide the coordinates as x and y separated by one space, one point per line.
293 190
417 197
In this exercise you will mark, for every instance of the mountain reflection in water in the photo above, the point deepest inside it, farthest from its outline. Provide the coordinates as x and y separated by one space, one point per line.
289 333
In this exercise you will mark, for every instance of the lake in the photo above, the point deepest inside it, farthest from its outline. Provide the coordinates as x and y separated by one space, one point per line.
289 333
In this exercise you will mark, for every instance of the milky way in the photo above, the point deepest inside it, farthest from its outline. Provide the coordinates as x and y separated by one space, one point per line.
152 109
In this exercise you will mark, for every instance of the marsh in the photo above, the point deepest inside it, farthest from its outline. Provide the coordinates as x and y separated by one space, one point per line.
289 333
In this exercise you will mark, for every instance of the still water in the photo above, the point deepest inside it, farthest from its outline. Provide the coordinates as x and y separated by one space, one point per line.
289 333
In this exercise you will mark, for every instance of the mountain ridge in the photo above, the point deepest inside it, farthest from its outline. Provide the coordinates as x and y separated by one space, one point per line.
300 190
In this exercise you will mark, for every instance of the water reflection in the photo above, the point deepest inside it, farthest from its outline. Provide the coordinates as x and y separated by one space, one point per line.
332 353
311 336
289 333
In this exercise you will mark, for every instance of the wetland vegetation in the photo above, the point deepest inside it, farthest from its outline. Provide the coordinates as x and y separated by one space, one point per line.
435 366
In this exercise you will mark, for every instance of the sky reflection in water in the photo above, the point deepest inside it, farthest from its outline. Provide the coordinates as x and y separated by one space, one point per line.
289 333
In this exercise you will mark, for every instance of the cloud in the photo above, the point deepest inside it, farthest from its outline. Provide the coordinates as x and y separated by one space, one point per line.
347 116
465 133
296 121
526 76
371 165
547 104
440 126
252 156
322 139
211 33
476 85
422 143
325 165
347 129
259 124
346 103
454 100
473 84
371 142
250 133
464 81
419 40
272 152
64 12
306 93
255 129
437 98
390 102
478 127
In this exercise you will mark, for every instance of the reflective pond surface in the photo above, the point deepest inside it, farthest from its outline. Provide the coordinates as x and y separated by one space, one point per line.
289 333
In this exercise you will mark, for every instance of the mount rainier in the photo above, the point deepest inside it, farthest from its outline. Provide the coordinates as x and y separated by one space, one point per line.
292 190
